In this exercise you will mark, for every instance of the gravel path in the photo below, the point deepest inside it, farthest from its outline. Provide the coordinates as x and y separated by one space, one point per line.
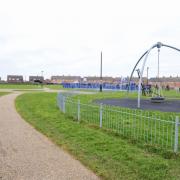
25 154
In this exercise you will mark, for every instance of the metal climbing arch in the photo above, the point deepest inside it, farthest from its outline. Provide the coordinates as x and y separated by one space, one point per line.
145 55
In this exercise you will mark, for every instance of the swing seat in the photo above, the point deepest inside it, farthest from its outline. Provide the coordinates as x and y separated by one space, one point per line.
157 99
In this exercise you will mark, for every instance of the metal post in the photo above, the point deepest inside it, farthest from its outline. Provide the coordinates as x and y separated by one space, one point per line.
42 79
158 75
58 101
139 94
100 115
141 75
61 102
100 88
79 115
64 104
147 75
176 134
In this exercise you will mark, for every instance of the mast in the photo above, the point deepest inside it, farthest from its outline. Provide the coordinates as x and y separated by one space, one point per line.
100 88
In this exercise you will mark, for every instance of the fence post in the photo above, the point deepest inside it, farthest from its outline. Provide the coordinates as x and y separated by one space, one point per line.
79 110
61 102
176 134
58 104
100 115
64 104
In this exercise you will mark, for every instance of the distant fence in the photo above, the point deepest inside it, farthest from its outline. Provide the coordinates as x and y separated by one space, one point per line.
122 87
143 126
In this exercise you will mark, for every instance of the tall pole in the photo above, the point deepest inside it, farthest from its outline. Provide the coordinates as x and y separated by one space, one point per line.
158 62
100 87
141 75
147 74
42 78
158 74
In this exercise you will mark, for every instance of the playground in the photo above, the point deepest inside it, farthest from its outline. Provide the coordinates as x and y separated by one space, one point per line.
157 100
72 121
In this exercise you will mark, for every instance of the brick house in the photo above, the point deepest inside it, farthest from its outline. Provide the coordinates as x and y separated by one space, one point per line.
15 79
172 82
68 79
96 79
33 79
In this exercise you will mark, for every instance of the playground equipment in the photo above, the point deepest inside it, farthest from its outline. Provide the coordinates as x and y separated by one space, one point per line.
146 89
157 94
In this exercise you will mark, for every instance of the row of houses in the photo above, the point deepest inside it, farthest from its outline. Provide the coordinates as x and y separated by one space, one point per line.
61 79
170 81
20 79
89 79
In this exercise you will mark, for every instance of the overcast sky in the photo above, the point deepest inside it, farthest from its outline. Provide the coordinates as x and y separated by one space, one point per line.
67 36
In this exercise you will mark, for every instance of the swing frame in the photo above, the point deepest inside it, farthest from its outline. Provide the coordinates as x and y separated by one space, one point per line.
145 55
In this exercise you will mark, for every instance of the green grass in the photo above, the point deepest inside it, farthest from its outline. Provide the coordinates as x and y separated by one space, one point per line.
30 86
89 98
119 94
127 122
19 86
172 94
4 93
108 155
54 86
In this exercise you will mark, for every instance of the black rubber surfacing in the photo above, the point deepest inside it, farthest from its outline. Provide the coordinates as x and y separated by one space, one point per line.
146 104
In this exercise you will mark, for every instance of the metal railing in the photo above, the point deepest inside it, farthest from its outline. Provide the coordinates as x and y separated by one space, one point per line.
147 127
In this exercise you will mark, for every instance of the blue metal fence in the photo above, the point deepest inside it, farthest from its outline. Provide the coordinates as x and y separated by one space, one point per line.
133 86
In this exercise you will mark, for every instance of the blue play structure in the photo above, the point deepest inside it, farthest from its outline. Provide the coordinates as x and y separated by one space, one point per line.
106 86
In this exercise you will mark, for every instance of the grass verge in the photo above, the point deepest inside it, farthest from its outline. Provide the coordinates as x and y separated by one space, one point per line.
4 93
89 98
19 86
107 155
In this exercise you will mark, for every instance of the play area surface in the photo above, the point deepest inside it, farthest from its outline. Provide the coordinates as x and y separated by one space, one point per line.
168 105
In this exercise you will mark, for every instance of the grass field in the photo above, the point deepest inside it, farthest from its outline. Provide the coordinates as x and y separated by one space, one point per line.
55 87
29 86
19 86
105 95
146 127
107 154
3 93
172 94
